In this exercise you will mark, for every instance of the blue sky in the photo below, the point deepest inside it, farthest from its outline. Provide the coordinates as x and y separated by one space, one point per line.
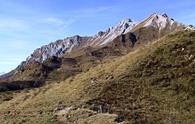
28 24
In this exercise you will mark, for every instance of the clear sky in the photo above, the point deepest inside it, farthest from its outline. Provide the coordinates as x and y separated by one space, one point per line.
28 24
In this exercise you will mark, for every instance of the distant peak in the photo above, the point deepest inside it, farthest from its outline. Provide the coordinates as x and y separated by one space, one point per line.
125 21
165 15
159 21
125 24
100 33
157 15
75 36
191 26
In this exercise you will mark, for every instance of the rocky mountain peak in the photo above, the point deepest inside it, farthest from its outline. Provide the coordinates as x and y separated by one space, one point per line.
190 27
160 21
125 22
75 38
57 48
124 26
100 33
165 15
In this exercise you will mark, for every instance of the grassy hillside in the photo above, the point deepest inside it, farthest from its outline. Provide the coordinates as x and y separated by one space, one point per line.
154 84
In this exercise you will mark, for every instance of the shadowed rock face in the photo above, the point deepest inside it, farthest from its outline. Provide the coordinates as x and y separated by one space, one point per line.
132 38
128 39
123 39
53 62
19 85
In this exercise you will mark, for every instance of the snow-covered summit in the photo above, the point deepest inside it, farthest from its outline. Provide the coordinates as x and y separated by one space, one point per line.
160 21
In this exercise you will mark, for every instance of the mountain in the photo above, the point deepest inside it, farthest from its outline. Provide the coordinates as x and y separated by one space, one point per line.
58 48
69 44
132 73
150 29
42 63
